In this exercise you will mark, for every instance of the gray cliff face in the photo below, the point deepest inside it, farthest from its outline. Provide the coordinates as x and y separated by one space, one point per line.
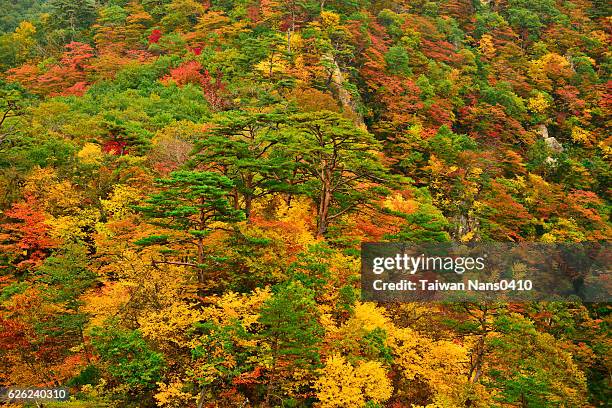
553 144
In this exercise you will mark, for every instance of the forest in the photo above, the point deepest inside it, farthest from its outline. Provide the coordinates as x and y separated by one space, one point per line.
185 186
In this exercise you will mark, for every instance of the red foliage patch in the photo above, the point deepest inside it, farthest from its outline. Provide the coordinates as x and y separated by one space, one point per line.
77 55
155 36
115 147
77 89
192 72
66 78
27 234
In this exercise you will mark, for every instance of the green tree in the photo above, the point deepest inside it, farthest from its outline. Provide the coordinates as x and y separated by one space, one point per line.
60 321
247 148
397 60
291 327
11 106
181 14
73 15
425 224
531 368
65 277
127 357
340 162
190 202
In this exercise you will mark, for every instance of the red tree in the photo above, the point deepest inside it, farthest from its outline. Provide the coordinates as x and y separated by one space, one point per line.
24 237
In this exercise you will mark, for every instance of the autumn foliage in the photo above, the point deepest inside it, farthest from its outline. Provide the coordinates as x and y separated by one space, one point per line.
185 184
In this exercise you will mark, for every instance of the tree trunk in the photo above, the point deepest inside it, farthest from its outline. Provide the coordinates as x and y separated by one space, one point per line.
201 273
248 196
477 356
477 360
236 199
289 41
324 203
248 206
201 398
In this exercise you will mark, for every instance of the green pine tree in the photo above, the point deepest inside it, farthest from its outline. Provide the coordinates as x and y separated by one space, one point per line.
292 328
247 148
190 202
340 161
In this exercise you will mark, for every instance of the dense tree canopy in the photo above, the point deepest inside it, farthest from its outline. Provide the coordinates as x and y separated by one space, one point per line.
184 187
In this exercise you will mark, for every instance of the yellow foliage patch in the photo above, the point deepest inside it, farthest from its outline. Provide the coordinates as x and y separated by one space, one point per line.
342 385
91 153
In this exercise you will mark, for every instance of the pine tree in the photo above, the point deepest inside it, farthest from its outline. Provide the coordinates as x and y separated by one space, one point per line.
73 15
340 161
190 202
292 328
247 148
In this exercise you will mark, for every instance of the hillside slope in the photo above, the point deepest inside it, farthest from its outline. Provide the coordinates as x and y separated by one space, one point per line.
184 186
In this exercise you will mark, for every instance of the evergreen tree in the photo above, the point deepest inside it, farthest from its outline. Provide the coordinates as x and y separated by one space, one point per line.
293 331
128 357
73 15
531 368
340 162
190 202
248 149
